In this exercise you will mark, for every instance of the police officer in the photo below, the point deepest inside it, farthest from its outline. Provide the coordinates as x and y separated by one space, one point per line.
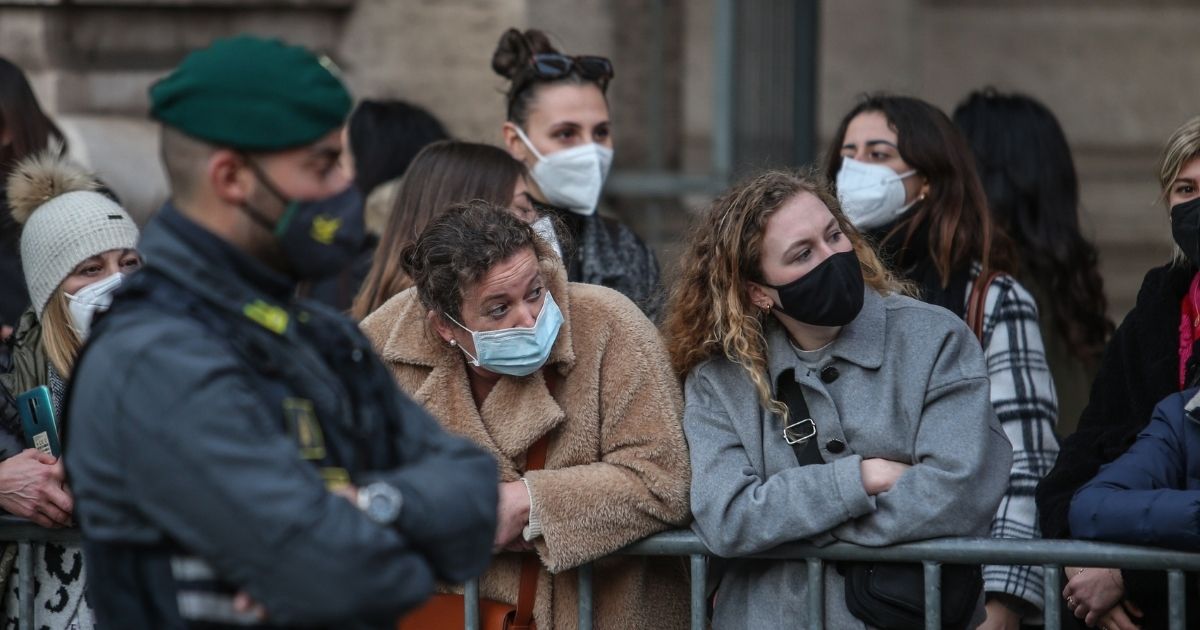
227 444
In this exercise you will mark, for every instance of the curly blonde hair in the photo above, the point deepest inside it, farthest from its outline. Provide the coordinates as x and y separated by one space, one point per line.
710 313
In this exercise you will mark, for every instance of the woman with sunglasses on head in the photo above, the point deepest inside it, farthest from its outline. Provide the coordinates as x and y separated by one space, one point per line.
823 405
557 124
905 177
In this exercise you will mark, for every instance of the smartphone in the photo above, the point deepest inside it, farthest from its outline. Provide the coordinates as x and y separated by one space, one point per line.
37 419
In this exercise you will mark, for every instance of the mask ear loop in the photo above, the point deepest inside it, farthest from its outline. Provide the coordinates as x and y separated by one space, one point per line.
528 142
454 343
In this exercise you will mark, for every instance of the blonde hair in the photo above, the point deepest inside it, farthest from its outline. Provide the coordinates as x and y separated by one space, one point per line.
1182 147
58 337
710 313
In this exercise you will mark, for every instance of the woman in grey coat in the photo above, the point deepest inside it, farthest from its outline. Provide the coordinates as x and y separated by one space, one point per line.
776 283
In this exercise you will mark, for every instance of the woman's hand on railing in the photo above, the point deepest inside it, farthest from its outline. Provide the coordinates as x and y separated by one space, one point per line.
32 486
879 475
513 512
1096 595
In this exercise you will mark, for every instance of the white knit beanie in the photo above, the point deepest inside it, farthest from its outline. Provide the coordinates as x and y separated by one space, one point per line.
65 222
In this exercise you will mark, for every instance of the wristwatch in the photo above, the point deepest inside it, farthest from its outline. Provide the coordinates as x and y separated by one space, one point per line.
381 502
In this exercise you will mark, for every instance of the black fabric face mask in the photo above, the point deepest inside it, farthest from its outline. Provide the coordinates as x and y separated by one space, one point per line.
318 238
1185 228
829 295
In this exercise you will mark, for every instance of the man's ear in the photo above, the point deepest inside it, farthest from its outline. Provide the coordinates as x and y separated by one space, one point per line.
230 179
515 146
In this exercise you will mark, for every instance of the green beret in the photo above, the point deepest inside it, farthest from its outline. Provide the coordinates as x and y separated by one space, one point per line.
253 94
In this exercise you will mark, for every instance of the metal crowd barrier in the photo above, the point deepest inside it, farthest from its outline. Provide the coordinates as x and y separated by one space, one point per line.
1053 555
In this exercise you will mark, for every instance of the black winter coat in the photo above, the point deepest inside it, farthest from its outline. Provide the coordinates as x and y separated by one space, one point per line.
1140 368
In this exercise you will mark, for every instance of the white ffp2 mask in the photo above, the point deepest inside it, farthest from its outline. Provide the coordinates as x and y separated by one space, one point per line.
571 178
86 302
872 195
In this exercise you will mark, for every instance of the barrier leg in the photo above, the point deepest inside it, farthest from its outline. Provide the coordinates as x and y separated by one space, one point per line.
699 590
471 604
933 596
816 594
25 564
585 597
1052 610
1178 604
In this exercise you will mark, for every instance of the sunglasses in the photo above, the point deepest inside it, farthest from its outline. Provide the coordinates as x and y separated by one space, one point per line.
552 66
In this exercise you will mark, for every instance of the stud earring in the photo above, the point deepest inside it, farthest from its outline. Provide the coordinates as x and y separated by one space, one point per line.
453 342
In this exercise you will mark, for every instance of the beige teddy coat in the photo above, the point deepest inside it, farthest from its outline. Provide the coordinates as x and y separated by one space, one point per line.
617 467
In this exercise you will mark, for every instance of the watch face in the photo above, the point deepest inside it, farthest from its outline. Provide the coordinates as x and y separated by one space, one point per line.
382 504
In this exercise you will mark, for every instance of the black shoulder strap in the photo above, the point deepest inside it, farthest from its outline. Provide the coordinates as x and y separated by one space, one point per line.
801 430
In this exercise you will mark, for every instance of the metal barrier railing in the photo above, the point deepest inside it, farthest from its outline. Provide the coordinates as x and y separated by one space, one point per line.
1053 555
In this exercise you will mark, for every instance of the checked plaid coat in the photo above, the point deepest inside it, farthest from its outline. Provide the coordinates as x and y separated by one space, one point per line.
1023 397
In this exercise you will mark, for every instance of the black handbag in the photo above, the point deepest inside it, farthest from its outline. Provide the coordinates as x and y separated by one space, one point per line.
887 595
891 595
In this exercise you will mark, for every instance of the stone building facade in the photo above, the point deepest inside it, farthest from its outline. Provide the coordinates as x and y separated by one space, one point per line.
1119 74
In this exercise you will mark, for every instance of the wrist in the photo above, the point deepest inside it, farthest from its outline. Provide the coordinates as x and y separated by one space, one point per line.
533 524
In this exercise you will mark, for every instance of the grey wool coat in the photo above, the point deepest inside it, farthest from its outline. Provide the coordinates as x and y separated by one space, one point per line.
911 387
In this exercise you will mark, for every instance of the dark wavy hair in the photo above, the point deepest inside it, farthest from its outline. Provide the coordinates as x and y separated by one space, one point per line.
459 247
955 210
1032 188
513 61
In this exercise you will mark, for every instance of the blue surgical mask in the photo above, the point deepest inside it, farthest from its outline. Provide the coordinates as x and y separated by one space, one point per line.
517 351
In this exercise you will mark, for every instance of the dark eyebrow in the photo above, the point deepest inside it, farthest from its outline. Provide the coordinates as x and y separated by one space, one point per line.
500 295
875 142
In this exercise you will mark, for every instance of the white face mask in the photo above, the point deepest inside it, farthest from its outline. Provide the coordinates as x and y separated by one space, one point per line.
544 228
872 195
571 178
86 302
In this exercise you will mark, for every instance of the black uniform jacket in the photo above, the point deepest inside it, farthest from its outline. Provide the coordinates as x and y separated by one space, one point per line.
208 418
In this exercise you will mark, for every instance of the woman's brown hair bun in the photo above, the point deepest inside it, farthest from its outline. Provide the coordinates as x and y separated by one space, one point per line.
515 49
513 61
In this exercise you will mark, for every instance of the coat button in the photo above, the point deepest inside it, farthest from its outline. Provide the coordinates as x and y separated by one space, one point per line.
829 374
835 446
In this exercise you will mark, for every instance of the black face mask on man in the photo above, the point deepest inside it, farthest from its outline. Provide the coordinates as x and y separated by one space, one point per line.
831 294
1185 228
318 238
